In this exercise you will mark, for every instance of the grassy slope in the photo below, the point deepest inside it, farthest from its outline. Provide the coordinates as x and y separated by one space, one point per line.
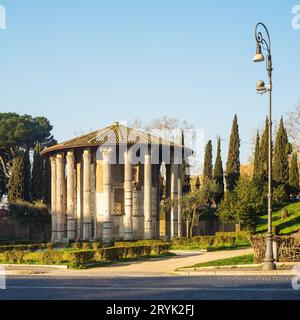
286 226
248 259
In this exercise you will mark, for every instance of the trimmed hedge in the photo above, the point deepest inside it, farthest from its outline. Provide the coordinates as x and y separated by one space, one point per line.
239 236
48 257
28 247
204 242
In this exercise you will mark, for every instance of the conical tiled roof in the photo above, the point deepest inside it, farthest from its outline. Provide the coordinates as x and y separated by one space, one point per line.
112 135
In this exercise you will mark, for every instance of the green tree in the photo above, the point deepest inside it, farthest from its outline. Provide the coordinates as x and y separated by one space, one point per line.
219 175
186 184
3 183
243 205
38 175
19 133
208 167
16 186
281 153
263 164
294 177
233 160
256 157
197 183
27 176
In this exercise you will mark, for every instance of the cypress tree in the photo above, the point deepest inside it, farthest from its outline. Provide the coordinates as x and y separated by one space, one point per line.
294 177
208 167
46 186
256 157
233 160
3 182
197 183
38 175
219 175
27 176
263 164
16 186
186 184
281 163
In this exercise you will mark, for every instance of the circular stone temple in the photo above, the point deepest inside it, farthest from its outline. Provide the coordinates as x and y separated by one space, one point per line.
106 186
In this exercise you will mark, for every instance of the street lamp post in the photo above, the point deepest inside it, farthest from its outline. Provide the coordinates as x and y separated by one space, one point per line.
265 44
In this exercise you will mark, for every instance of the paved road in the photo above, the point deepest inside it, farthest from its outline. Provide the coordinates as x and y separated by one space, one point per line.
149 288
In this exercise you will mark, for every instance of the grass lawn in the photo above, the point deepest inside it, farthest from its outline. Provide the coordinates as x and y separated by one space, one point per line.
286 226
241 260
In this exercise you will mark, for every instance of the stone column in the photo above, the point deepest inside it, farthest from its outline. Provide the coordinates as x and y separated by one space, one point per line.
107 235
71 221
147 197
168 195
60 186
180 181
87 218
135 213
53 199
128 195
174 194
79 198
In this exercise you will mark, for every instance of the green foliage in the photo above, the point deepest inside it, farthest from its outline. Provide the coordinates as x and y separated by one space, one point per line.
243 206
29 212
37 184
18 182
219 176
256 157
3 182
208 167
263 165
279 196
27 176
281 153
204 242
233 160
294 177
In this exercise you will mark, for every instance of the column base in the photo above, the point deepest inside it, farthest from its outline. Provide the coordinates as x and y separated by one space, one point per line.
107 236
87 231
128 236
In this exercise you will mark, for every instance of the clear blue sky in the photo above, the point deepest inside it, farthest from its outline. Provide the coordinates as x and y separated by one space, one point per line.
85 64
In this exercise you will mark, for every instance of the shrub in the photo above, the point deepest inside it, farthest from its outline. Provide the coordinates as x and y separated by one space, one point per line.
96 246
31 212
76 245
86 245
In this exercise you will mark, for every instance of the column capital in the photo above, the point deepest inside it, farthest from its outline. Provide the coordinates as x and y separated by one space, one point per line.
106 153
70 155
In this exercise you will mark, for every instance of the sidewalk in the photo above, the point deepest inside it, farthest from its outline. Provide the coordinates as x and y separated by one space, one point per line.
165 266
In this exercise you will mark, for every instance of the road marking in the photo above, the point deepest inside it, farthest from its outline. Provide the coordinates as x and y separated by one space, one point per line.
151 288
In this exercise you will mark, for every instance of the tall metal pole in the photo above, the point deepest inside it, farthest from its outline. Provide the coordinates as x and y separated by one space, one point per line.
269 261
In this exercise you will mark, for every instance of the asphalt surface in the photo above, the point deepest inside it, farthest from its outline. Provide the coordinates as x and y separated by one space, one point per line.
150 288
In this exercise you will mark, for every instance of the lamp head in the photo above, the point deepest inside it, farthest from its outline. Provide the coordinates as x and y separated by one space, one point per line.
259 57
260 86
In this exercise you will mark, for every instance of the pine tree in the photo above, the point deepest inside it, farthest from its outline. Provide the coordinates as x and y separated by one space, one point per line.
38 175
16 186
294 177
233 160
281 163
219 175
263 164
208 167
256 157
27 176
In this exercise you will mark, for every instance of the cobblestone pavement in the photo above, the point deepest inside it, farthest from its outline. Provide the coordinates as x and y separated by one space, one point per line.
149 288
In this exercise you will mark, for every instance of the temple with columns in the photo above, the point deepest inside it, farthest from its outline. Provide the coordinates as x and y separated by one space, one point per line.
106 186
